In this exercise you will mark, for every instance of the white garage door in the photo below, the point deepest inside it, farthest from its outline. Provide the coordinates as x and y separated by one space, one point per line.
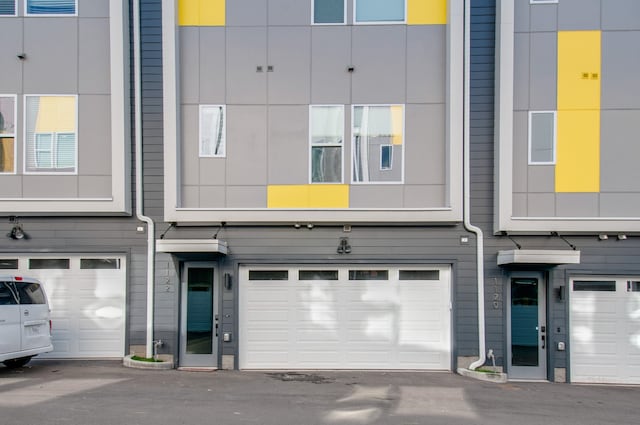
87 299
605 330
345 318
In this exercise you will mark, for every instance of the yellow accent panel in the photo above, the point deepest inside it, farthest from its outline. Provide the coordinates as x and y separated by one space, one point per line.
308 196
578 151
396 125
6 154
201 12
426 12
56 114
579 59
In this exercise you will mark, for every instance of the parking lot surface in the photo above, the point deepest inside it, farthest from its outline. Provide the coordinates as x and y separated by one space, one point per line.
106 393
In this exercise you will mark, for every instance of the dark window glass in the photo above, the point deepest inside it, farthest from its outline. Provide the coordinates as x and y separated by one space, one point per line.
318 275
328 11
594 285
99 263
368 274
51 7
7 7
11 264
49 263
30 293
633 286
419 275
268 275
6 294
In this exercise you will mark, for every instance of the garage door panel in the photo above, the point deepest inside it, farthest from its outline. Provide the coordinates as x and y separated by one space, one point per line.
346 324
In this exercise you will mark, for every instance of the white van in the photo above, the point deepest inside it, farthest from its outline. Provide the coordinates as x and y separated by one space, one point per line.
25 325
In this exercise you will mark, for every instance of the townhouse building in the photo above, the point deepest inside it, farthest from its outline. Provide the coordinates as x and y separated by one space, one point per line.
329 184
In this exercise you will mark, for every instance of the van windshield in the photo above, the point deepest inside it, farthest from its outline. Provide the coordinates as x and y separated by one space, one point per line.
21 293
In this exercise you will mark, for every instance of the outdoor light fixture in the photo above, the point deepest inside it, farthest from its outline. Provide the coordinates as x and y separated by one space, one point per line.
16 233
622 237
343 246
603 237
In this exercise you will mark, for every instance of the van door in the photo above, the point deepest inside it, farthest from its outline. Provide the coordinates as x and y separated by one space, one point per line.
9 320
34 313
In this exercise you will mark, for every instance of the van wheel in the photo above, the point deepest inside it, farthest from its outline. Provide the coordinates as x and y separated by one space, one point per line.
16 363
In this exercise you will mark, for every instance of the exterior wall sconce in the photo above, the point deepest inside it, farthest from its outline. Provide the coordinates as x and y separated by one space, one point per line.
16 233
228 281
622 237
343 246
603 237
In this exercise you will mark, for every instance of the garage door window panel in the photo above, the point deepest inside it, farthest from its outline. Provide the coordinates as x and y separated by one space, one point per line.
419 275
368 274
100 263
633 286
318 275
49 263
594 286
9 264
268 275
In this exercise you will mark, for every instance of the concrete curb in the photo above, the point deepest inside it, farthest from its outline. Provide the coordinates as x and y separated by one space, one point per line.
497 377
137 364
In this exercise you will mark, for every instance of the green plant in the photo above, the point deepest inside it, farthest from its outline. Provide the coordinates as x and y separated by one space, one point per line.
145 359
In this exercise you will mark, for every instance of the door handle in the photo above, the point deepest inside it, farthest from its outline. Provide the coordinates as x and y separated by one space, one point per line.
543 341
26 312
217 325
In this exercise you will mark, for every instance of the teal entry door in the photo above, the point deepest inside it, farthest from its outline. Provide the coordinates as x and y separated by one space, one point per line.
199 316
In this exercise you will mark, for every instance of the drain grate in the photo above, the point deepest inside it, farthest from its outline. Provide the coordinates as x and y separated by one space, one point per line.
299 377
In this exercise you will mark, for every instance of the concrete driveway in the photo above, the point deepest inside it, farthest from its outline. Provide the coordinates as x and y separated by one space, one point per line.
105 393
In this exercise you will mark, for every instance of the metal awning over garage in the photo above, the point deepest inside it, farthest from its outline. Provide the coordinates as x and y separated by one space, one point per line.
174 246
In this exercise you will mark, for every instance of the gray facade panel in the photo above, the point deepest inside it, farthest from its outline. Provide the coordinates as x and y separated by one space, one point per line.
541 205
189 63
621 15
93 9
289 12
52 67
426 63
577 204
94 135
522 12
379 76
519 205
543 75
290 56
212 171
372 196
424 196
541 178
246 13
330 58
11 186
246 145
246 196
543 17
577 15
212 77
11 33
94 186
212 197
189 149
288 145
620 67
93 63
619 204
190 196
521 71
619 171
47 186
520 151
425 144
246 50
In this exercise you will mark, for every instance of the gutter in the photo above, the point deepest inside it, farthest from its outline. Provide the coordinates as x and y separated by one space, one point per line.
467 189
151 249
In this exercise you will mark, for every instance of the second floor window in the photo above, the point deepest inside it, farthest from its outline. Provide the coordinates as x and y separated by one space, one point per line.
7 7
51 7
327 135
7 133
379 11
329 11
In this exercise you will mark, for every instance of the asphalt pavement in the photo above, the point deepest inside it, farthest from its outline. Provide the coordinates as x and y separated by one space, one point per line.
48 392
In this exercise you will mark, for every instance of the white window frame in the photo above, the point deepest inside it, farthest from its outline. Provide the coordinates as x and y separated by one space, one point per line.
14 135
312 145
15 10
201 154
50 14
313 16
530 137
353 145
356 22
49 171
543 1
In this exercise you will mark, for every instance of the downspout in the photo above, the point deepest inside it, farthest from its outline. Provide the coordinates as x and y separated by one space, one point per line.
151 247
467 188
